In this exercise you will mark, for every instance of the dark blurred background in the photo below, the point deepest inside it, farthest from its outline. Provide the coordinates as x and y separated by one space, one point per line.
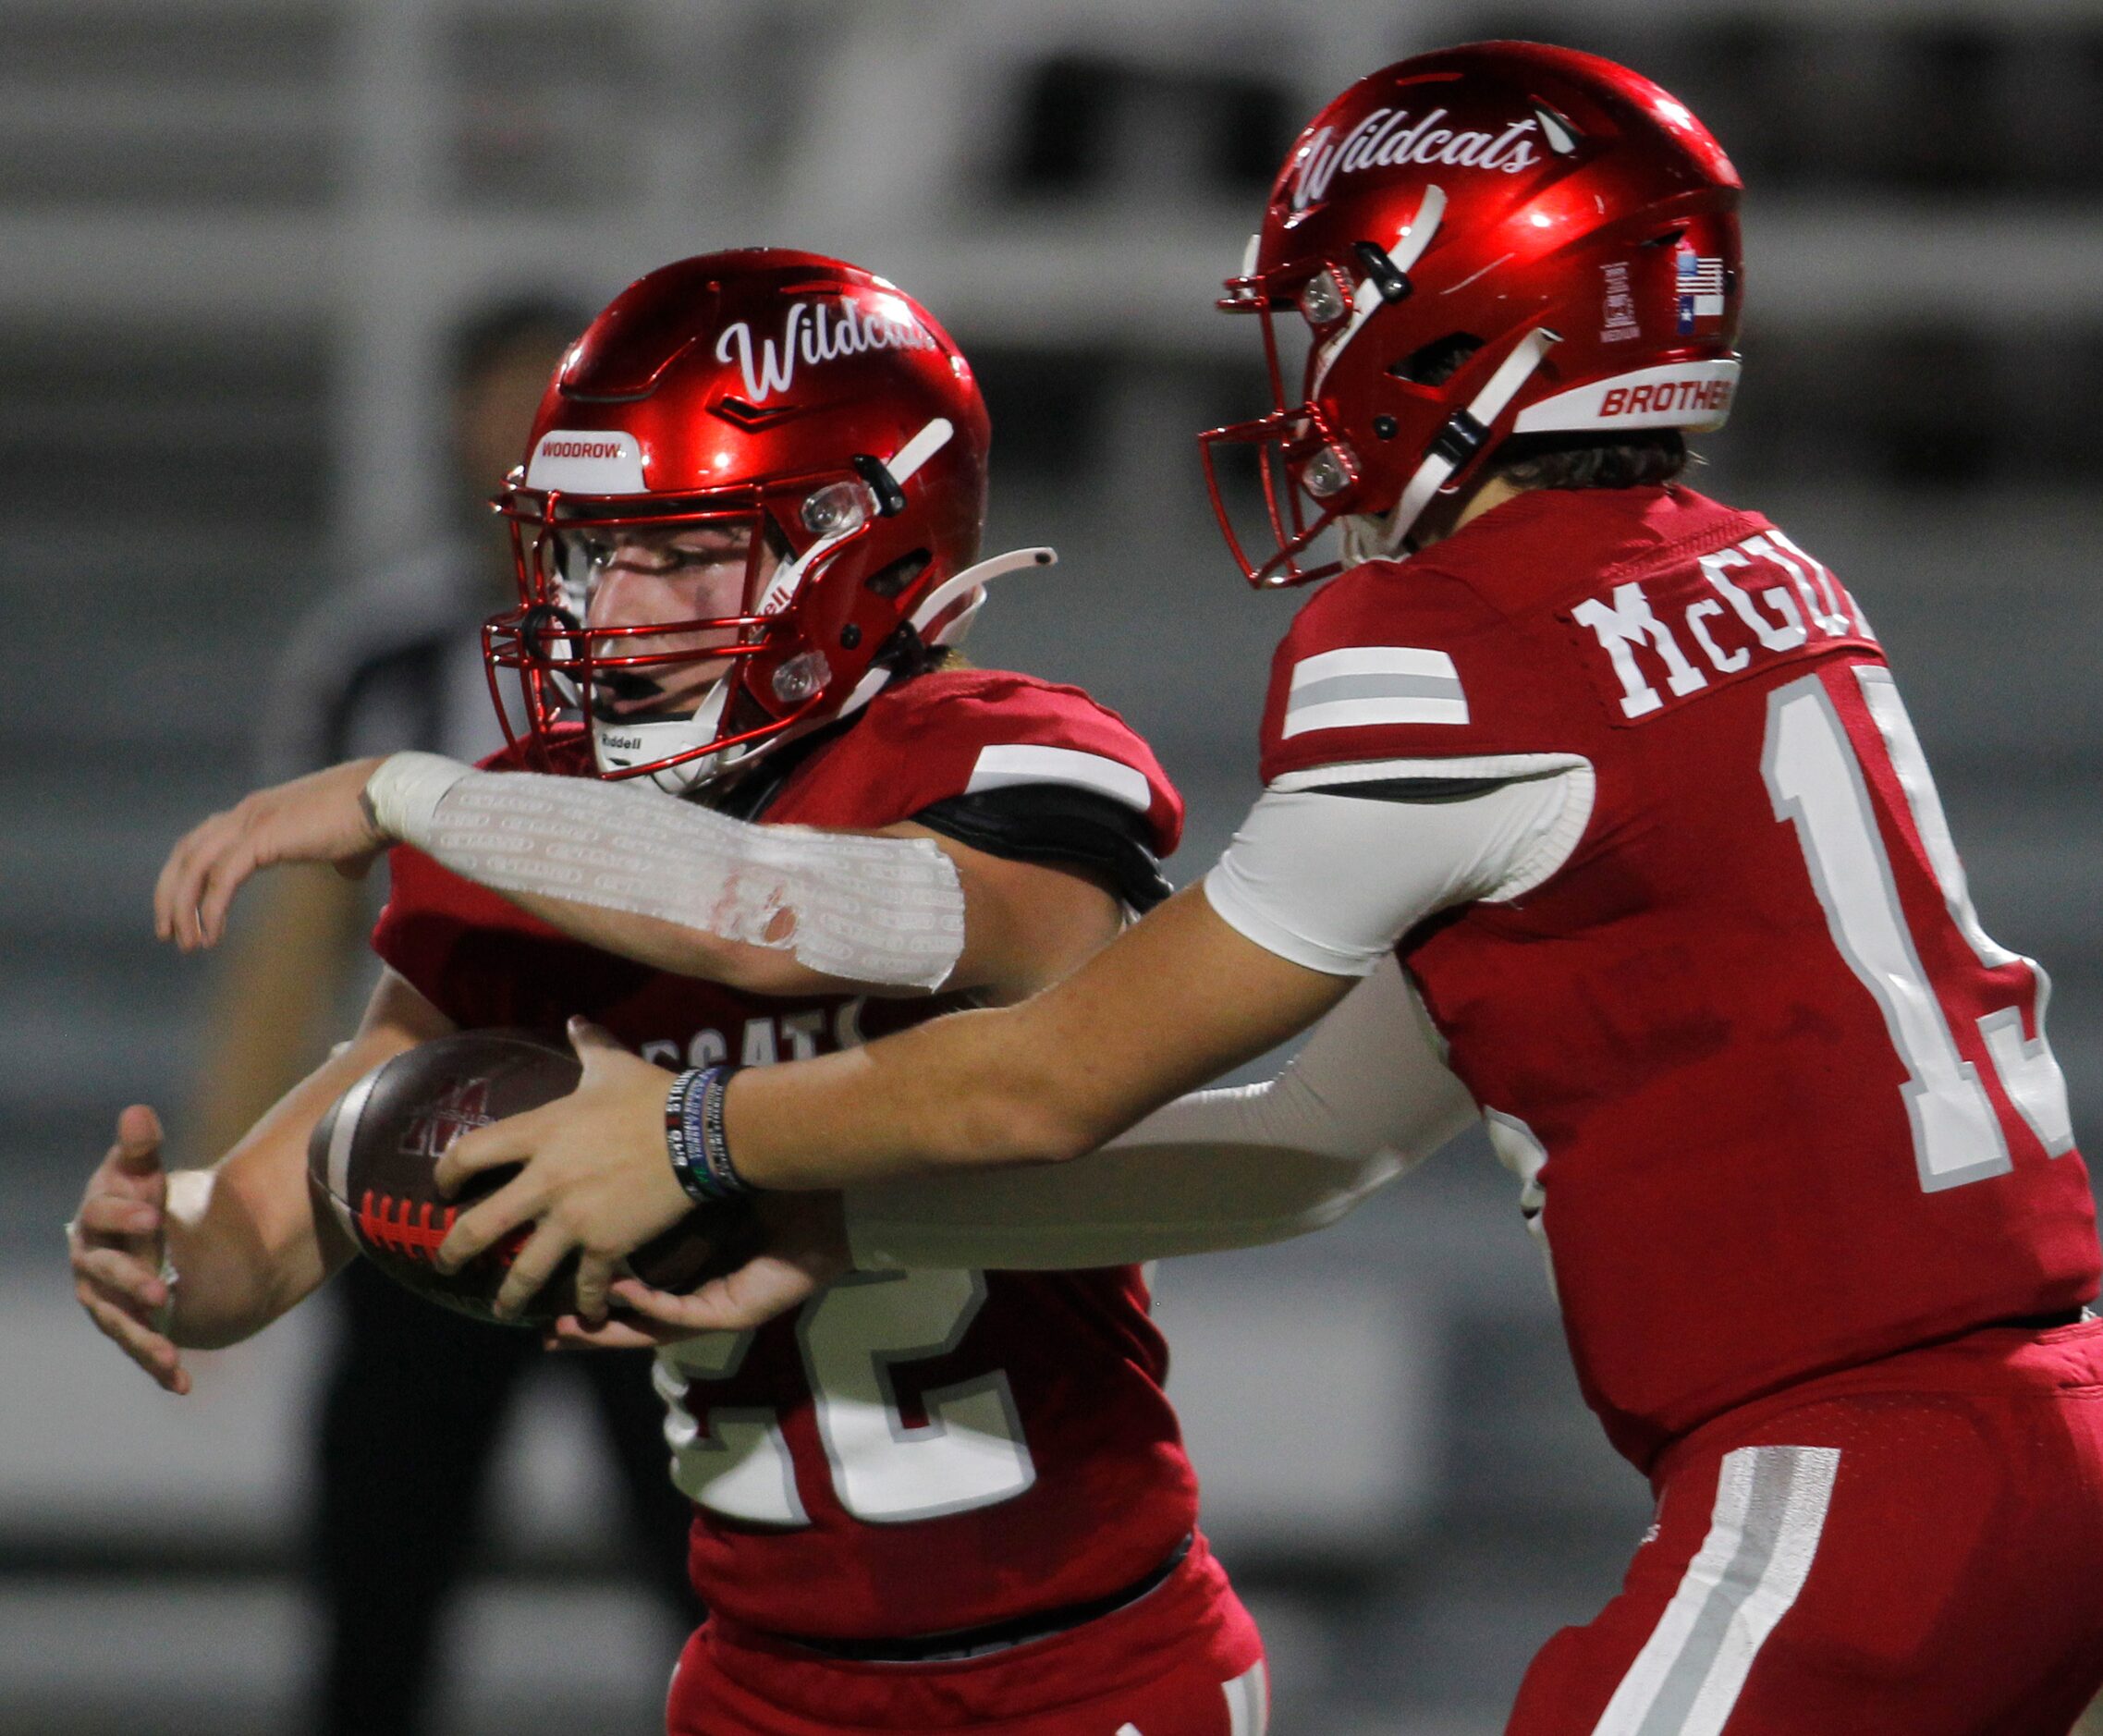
234 234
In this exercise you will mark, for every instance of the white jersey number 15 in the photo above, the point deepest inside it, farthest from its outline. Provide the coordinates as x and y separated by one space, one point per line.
1813 770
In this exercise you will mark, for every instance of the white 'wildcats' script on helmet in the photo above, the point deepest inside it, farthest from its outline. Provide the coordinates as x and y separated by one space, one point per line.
1385 139
817 332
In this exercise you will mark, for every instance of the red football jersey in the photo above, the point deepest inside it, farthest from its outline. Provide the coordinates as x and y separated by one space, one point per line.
1791 1109
910 1452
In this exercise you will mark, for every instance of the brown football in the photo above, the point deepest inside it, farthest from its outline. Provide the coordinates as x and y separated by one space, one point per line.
374 1157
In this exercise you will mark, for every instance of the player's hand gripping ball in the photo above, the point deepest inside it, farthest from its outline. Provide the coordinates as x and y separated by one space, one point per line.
374 1154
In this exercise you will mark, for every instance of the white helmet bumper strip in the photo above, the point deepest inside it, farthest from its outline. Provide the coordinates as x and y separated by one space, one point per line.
1408 248
886 911
1695 395
940 598
1489 404
920 448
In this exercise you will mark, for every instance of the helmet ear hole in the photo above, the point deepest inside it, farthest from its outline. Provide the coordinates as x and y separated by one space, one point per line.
892 580
1437 361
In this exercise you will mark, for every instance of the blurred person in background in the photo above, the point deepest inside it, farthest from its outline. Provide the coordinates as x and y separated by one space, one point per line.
413 1398
1619 775
746 535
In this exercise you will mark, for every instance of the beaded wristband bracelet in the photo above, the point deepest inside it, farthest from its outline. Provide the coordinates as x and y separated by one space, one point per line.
695 1137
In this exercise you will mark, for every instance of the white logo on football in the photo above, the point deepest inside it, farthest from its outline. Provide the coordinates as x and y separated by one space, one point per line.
816 332
1385 139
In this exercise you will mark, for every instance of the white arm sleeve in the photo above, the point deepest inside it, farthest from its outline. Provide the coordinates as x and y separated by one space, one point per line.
1365 1100
1332 881
887 910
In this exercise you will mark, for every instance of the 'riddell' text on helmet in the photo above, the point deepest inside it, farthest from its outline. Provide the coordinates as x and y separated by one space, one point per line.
1502 238
773 414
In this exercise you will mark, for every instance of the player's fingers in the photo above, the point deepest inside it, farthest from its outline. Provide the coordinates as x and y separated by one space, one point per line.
570 1333
714 1307
487 1222
228 873
138 1147
184 876
533 1266
106 1218
175 874
595 1273
154 1353
593 1042
121 1276
509 1141
128 1176
680 1314
762 1288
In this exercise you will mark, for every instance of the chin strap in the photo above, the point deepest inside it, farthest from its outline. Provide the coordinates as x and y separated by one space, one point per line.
1366 537
1459 441
661 740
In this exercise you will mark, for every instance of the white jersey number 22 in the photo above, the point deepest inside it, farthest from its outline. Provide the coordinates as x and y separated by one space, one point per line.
970 1452
1813 772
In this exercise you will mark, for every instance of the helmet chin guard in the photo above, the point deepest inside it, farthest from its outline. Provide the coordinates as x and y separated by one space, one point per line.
665 752
1494 239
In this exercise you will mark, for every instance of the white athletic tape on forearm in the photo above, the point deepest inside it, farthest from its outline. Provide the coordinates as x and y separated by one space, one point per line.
404 792
887 910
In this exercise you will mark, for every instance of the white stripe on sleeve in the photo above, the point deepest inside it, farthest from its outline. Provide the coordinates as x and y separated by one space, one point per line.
998 767
1363 685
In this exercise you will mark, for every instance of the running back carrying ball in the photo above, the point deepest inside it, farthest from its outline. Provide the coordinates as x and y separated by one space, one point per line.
374 1154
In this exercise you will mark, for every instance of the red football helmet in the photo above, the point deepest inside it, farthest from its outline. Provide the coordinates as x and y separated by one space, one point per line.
790 450
1556 220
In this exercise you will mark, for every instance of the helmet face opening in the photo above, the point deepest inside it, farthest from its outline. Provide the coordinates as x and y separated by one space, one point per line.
646 620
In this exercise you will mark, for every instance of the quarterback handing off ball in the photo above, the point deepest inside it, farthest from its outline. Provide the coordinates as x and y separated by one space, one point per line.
374 1157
